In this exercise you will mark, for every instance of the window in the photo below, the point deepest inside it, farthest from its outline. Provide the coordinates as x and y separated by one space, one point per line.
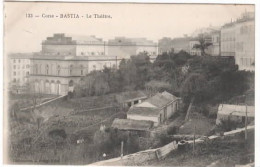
58 70
14 61
14 80
70 71
165 113
47 69
81 69
14 73
14 66
27 73
36 69
82 53
19 61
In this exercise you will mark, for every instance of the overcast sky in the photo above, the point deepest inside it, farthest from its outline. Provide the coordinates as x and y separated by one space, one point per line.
152 21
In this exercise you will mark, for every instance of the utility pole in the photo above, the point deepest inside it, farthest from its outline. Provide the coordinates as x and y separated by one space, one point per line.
246 125
193 147
122 149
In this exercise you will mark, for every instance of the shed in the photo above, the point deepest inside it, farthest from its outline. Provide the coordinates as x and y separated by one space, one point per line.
157 108
130 98
132 125
235 112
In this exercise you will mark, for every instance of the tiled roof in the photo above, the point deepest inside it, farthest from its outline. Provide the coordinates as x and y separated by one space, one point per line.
144 111
238 110
128 124
159 100
169 96
152 106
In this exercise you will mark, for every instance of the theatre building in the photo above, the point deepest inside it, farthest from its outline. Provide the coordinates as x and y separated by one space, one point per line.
57 75
64 60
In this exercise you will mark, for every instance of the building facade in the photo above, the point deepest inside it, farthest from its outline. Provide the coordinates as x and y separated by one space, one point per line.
126 47
245 42
238 40
228 40
175 44
64 60
192 50
19 71
214 49
76 45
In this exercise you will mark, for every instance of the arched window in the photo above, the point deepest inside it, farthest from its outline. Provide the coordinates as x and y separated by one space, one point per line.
36 68
70 69
47 69
58 70
81 70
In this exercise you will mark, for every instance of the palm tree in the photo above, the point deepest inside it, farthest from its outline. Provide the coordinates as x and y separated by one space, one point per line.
203 44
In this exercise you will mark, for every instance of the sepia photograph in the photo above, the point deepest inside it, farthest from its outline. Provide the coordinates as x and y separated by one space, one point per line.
129 84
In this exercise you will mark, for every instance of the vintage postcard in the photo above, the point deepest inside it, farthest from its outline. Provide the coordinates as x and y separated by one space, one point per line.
129 84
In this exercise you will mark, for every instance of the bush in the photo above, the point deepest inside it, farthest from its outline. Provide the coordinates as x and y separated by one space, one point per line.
171 130
228 125
164 139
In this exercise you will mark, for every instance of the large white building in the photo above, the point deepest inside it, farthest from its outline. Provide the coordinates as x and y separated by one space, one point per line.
19 70
64 60
238 40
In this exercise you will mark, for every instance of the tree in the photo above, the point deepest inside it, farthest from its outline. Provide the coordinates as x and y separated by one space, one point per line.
155 86
203 44
193 87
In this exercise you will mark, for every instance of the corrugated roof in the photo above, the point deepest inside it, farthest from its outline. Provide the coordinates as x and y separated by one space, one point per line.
237 110
128 124
144 111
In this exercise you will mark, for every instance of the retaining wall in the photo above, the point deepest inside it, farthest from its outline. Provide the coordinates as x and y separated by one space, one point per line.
147 155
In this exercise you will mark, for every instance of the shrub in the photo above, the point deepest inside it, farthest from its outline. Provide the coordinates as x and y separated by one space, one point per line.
171 130
164 139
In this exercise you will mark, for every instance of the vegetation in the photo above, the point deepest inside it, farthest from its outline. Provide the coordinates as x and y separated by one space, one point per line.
203 44
201 82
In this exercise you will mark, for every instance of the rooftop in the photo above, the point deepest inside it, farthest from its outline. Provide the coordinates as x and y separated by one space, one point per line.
130 95
71 39
238 110
131 41
144 111
160 99
20 55
128 124
152 106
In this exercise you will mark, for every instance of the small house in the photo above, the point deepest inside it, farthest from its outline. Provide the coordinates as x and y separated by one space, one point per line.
130 98
157 108
235 113
139 127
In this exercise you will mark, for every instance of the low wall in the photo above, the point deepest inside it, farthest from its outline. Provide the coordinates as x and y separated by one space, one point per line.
152 154
44 103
